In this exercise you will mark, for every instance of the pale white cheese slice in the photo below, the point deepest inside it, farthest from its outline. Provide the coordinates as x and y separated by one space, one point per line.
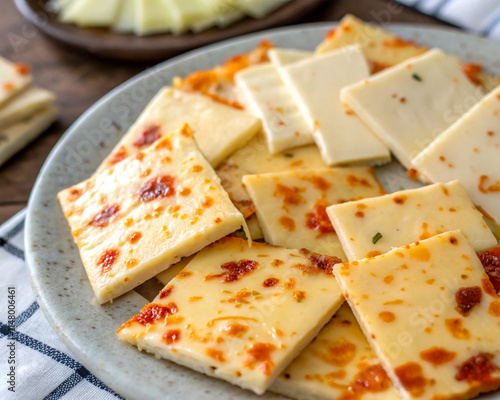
218 129
260 8
239 313
338 364
15 137
431 314
315 84
151 16
95 13
470 151
291 206
125 17
24 105
370 227
13 79
134 220
281 57
410 104
184 13
268 98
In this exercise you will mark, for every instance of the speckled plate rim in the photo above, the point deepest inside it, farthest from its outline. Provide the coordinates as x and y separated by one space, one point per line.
57 276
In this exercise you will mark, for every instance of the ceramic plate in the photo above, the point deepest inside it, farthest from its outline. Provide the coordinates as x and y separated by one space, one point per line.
57 274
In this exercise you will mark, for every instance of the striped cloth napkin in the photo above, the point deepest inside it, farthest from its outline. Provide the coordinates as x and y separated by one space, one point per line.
477 16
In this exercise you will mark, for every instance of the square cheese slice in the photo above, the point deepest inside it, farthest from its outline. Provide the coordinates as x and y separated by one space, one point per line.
431 314
338 364
410 104
13 79
315 84
134 220
470 151
291 206
370 227
237 313
269 99
218 129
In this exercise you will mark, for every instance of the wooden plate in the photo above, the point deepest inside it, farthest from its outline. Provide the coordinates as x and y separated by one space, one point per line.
128 47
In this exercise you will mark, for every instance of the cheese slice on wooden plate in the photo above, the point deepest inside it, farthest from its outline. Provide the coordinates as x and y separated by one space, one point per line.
134 220
470 151
315 84
281 57
92 13
218 129
125 17
431 314
13 79
410 104
260 8
24 105
291 206
237 313
267 97
151 16
370 227
338 364
381 48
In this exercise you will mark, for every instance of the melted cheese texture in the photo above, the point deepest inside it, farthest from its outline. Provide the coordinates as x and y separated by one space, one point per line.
338 364
268 98
13 79
218 129
291 206
237 313
469 150
133 221
315 84
433 318
410 104
407 216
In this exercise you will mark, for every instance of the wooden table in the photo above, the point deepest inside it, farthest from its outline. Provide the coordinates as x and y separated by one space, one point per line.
79 80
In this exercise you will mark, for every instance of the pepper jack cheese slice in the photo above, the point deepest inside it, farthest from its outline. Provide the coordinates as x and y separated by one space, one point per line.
410 104
218 129
315 84
237 313
469 150
433 318
268 98
370 227
133 221
13 79
291 205
338 364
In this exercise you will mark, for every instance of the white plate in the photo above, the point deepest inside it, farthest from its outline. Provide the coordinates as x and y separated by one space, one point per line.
57 274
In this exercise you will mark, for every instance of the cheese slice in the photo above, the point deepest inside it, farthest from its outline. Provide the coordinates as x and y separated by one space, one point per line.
184 13
90 12
281 57
151 16
269 99
370 227
431 314
338 364
17 136
409 105
13 79
260 8
24 105
469 150
231 180
218 129
291 206
135 220
315 84
237 313
125 18
381 48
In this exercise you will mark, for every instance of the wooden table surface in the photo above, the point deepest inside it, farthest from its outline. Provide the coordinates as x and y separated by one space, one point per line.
79 80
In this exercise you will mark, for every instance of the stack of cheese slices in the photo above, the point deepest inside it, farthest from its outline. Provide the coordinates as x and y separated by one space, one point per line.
25 110
282 142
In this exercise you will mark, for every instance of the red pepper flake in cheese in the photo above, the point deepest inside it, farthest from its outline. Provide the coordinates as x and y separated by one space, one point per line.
233 271
373 253
107 259
74 194
234 329
324 263
437 356
299 295
372 379
218 99
353 180
185 192
467 298
490 189
290 195
494 308
473 72
397 42
8 86
217 355
277 263
208 202
159 187
166 292
400 199
260 353
319 182
319 220
411 377
118 156
330 34
150 314
134 237
22 69
338 354
171 336
148 136
387 316
287 223
420 252
489 288
184 274
477 369
376 66
491 263
107 215
270 282
196 168
412 174
456 328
